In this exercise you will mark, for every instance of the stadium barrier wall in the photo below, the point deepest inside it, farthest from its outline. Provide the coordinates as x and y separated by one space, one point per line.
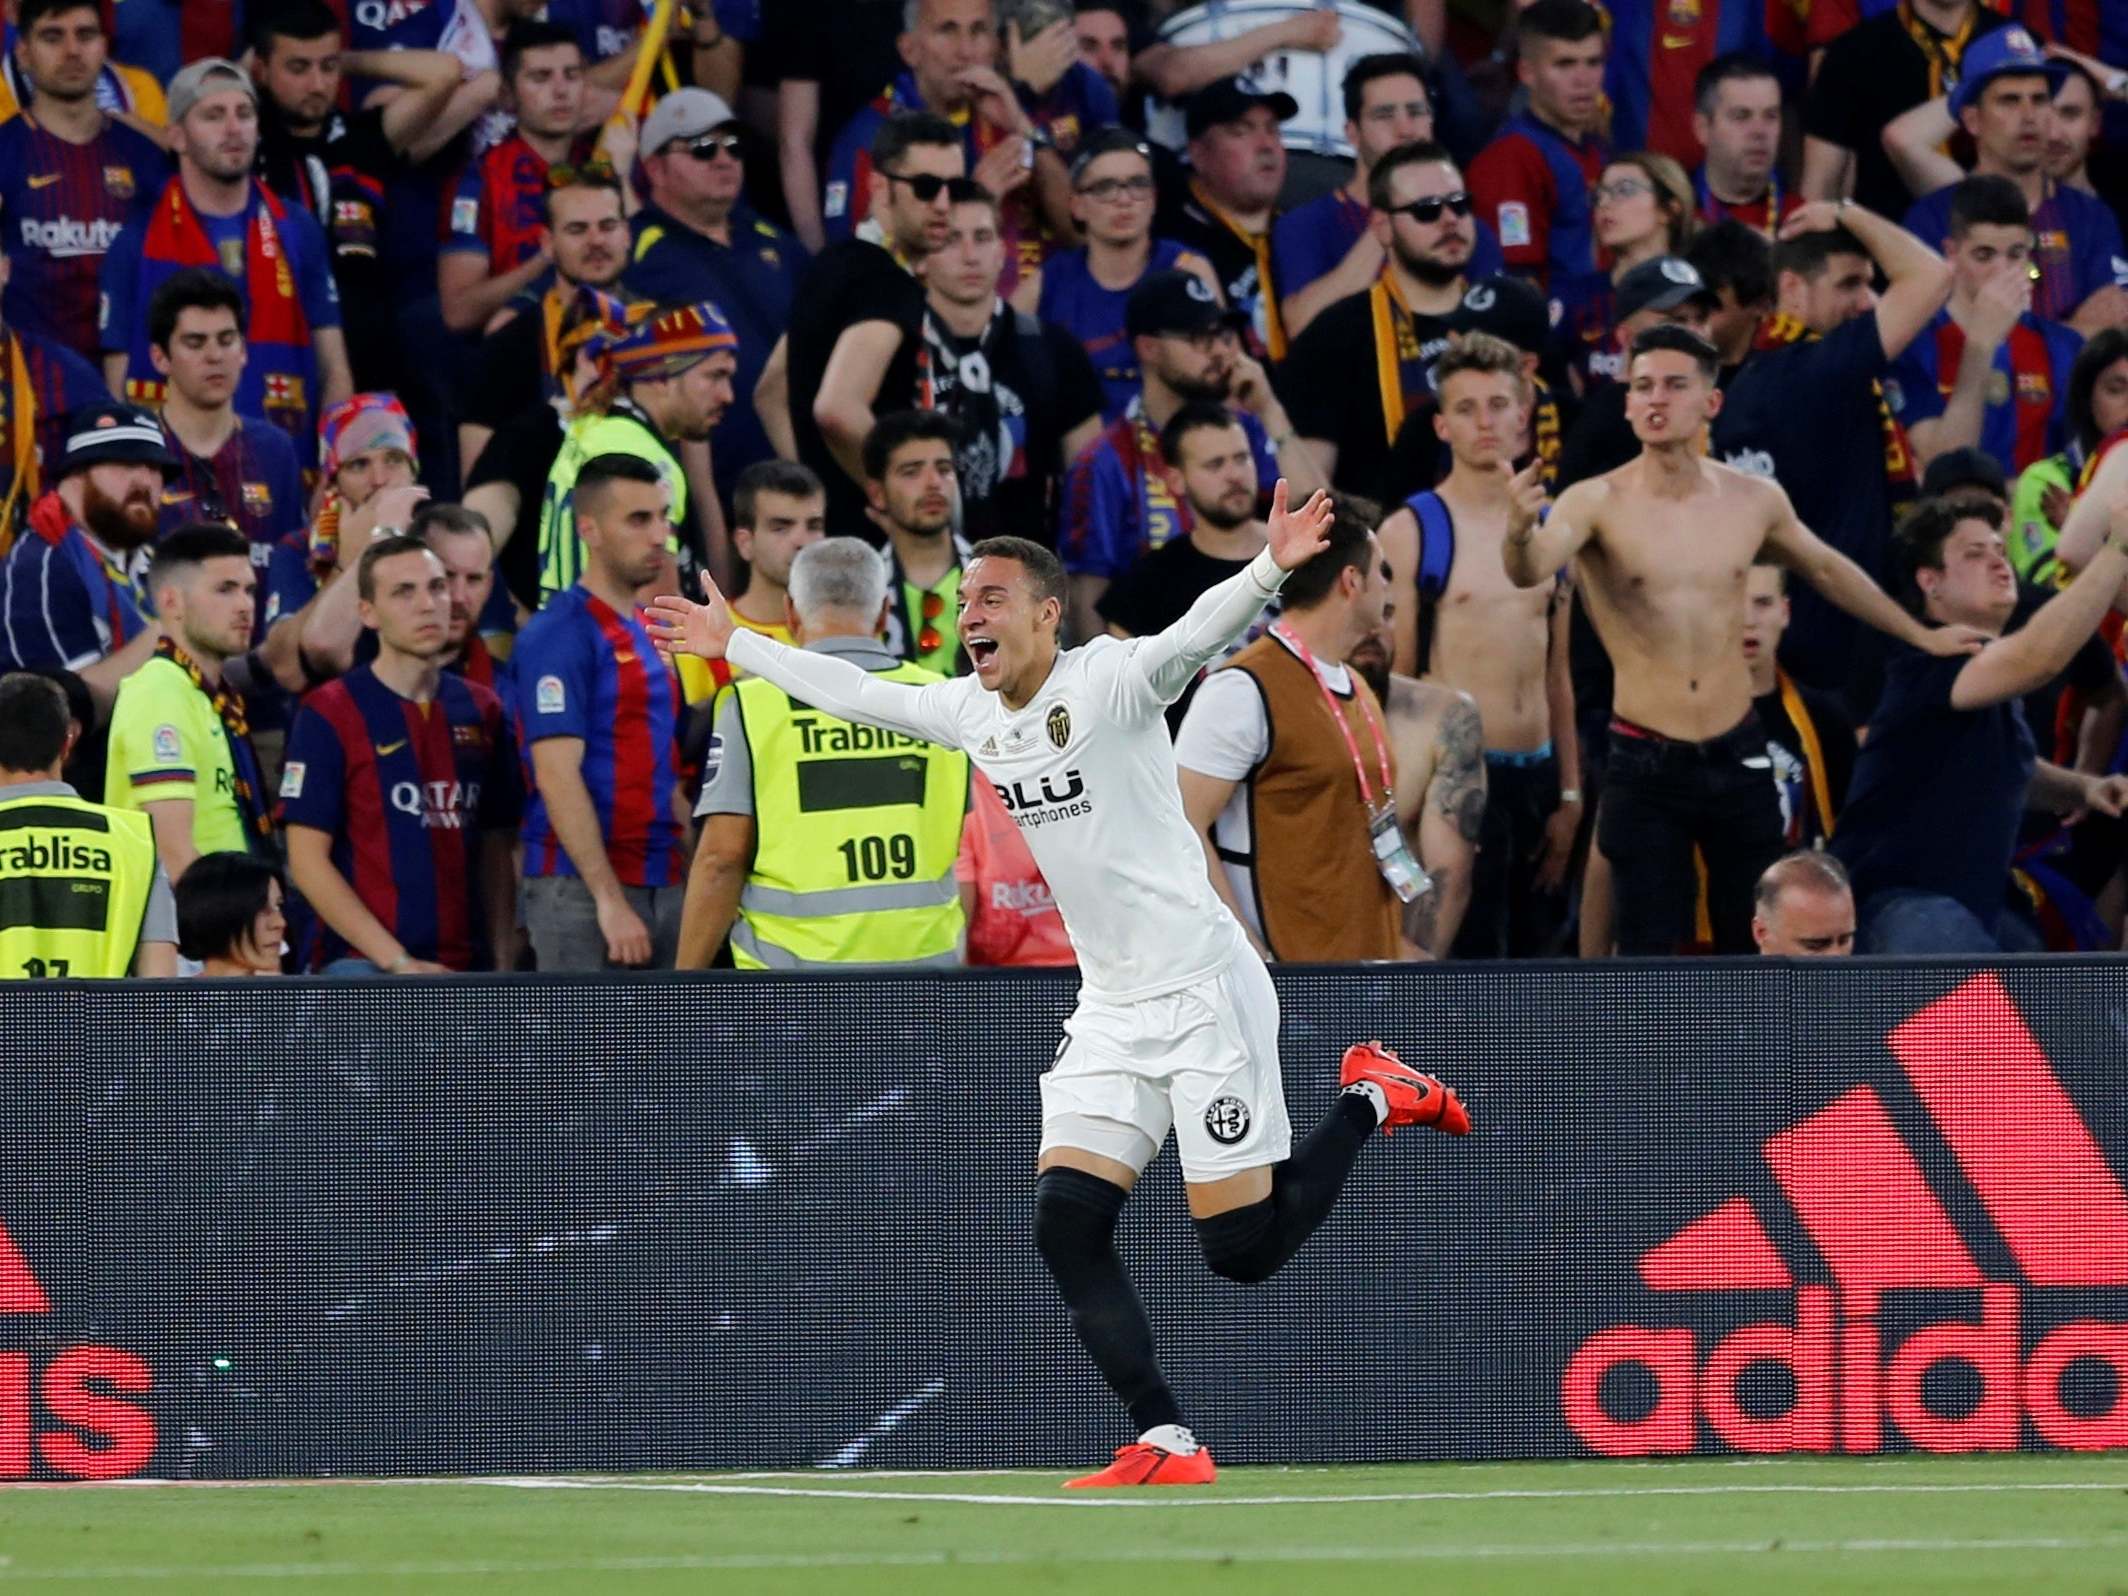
508 1225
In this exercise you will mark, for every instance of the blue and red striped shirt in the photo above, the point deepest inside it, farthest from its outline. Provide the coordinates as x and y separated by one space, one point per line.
252 483
62 206
1536 191
1657 50
500 205
407 792
585 670
2096 27
2076 244
2023 420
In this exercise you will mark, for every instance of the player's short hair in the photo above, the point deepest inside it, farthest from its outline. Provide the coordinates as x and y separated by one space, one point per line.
839 573
1987 200
785 477
1808 254
1810 868
194 288
1199 415
897 429
1481 352
35 11
1045 572
300 20
1729 254
1351 545
218 898
1381 192
527 36
2101 350
967 191
1372 69
1680 340
191 546
377 553
1917 542
33 722
435 517
1564 21
1735 66
903 131
602 471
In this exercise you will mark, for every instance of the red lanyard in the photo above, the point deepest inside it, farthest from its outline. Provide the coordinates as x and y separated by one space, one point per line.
1292 640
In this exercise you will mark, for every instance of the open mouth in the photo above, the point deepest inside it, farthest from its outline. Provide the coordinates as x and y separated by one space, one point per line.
982 650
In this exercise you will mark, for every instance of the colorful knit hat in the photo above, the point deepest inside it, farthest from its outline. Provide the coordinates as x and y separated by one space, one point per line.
363 422
664 341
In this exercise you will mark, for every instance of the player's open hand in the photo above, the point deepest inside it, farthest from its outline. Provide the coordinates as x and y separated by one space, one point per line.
703 630
1297 536
1947 641
1526 499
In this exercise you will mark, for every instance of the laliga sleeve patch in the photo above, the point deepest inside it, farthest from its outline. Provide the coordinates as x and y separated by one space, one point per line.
549 696
837 201
465 216
292 779
166 747
1514 225
712 760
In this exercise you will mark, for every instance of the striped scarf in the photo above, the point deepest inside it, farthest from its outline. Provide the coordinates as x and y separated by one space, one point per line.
236 726
1783 331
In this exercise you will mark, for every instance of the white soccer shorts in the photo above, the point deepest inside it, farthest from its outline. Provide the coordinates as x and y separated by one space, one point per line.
1203 1060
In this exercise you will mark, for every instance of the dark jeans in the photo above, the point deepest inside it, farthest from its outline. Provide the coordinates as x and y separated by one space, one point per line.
1508 918
1661 798
1905 921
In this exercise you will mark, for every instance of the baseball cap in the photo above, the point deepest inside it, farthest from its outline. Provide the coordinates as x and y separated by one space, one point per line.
209 75
665 341
1964 468
1229 100
1661 284
1507 307
363 422
114 434
2007 52
1109 141
683 114
1175 302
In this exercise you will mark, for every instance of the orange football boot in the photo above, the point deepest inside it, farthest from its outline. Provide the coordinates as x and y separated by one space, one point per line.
1142 1463
1415 1098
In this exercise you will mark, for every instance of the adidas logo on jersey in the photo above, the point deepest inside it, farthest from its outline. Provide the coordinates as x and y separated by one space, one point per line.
1851 1370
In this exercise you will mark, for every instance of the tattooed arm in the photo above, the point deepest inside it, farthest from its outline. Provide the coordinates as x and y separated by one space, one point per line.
1449 821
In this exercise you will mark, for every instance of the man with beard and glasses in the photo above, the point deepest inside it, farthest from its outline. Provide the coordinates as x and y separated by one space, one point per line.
1362 364
912 483
401 793
1024 393
216 214
336 164
181 750
69 594
697 238
1118 502
70 174
586 234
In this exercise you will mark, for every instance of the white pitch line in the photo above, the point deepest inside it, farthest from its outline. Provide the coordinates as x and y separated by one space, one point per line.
479 1568
1185 1498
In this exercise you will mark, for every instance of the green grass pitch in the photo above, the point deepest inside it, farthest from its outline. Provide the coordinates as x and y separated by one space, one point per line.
2021 1523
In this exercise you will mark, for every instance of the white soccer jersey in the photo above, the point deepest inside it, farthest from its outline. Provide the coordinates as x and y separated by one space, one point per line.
1087 770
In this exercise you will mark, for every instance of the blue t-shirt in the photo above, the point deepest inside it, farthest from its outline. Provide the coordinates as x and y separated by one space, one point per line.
1810 416
2076 245
1073 300
1938 792
1117 505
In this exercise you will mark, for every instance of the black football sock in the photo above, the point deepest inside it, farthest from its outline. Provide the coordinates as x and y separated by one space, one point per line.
1075 1231
1253 1243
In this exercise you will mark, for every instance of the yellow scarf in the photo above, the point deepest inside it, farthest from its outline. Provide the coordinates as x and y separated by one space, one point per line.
1944 51
18 438
1260 243
1396 350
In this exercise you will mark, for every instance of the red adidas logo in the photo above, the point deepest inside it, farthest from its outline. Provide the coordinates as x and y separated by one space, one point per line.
1863 1201
63 1413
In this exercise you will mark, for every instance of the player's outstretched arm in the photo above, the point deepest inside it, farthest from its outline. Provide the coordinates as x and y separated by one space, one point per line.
1849 586
707 631
1538 546
1170 660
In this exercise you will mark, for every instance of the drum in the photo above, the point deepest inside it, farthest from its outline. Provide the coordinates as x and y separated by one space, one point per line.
1316 81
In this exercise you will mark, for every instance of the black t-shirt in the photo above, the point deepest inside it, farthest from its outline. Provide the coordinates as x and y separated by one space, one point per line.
848 47
1938 792
1836 744
1157 591
849 283
512 373
1328 384
1869 75
1810 416
1016 390
1601 438
522 454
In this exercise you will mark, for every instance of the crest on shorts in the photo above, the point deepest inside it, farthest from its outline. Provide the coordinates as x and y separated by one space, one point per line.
1059 726
1226 1120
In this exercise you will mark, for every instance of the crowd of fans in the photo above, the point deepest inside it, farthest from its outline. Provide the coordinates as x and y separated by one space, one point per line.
363 370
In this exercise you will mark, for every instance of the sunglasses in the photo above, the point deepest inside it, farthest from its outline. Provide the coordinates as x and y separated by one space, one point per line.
930 639
1429 210
597 173
711 145
1115 188
926 186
